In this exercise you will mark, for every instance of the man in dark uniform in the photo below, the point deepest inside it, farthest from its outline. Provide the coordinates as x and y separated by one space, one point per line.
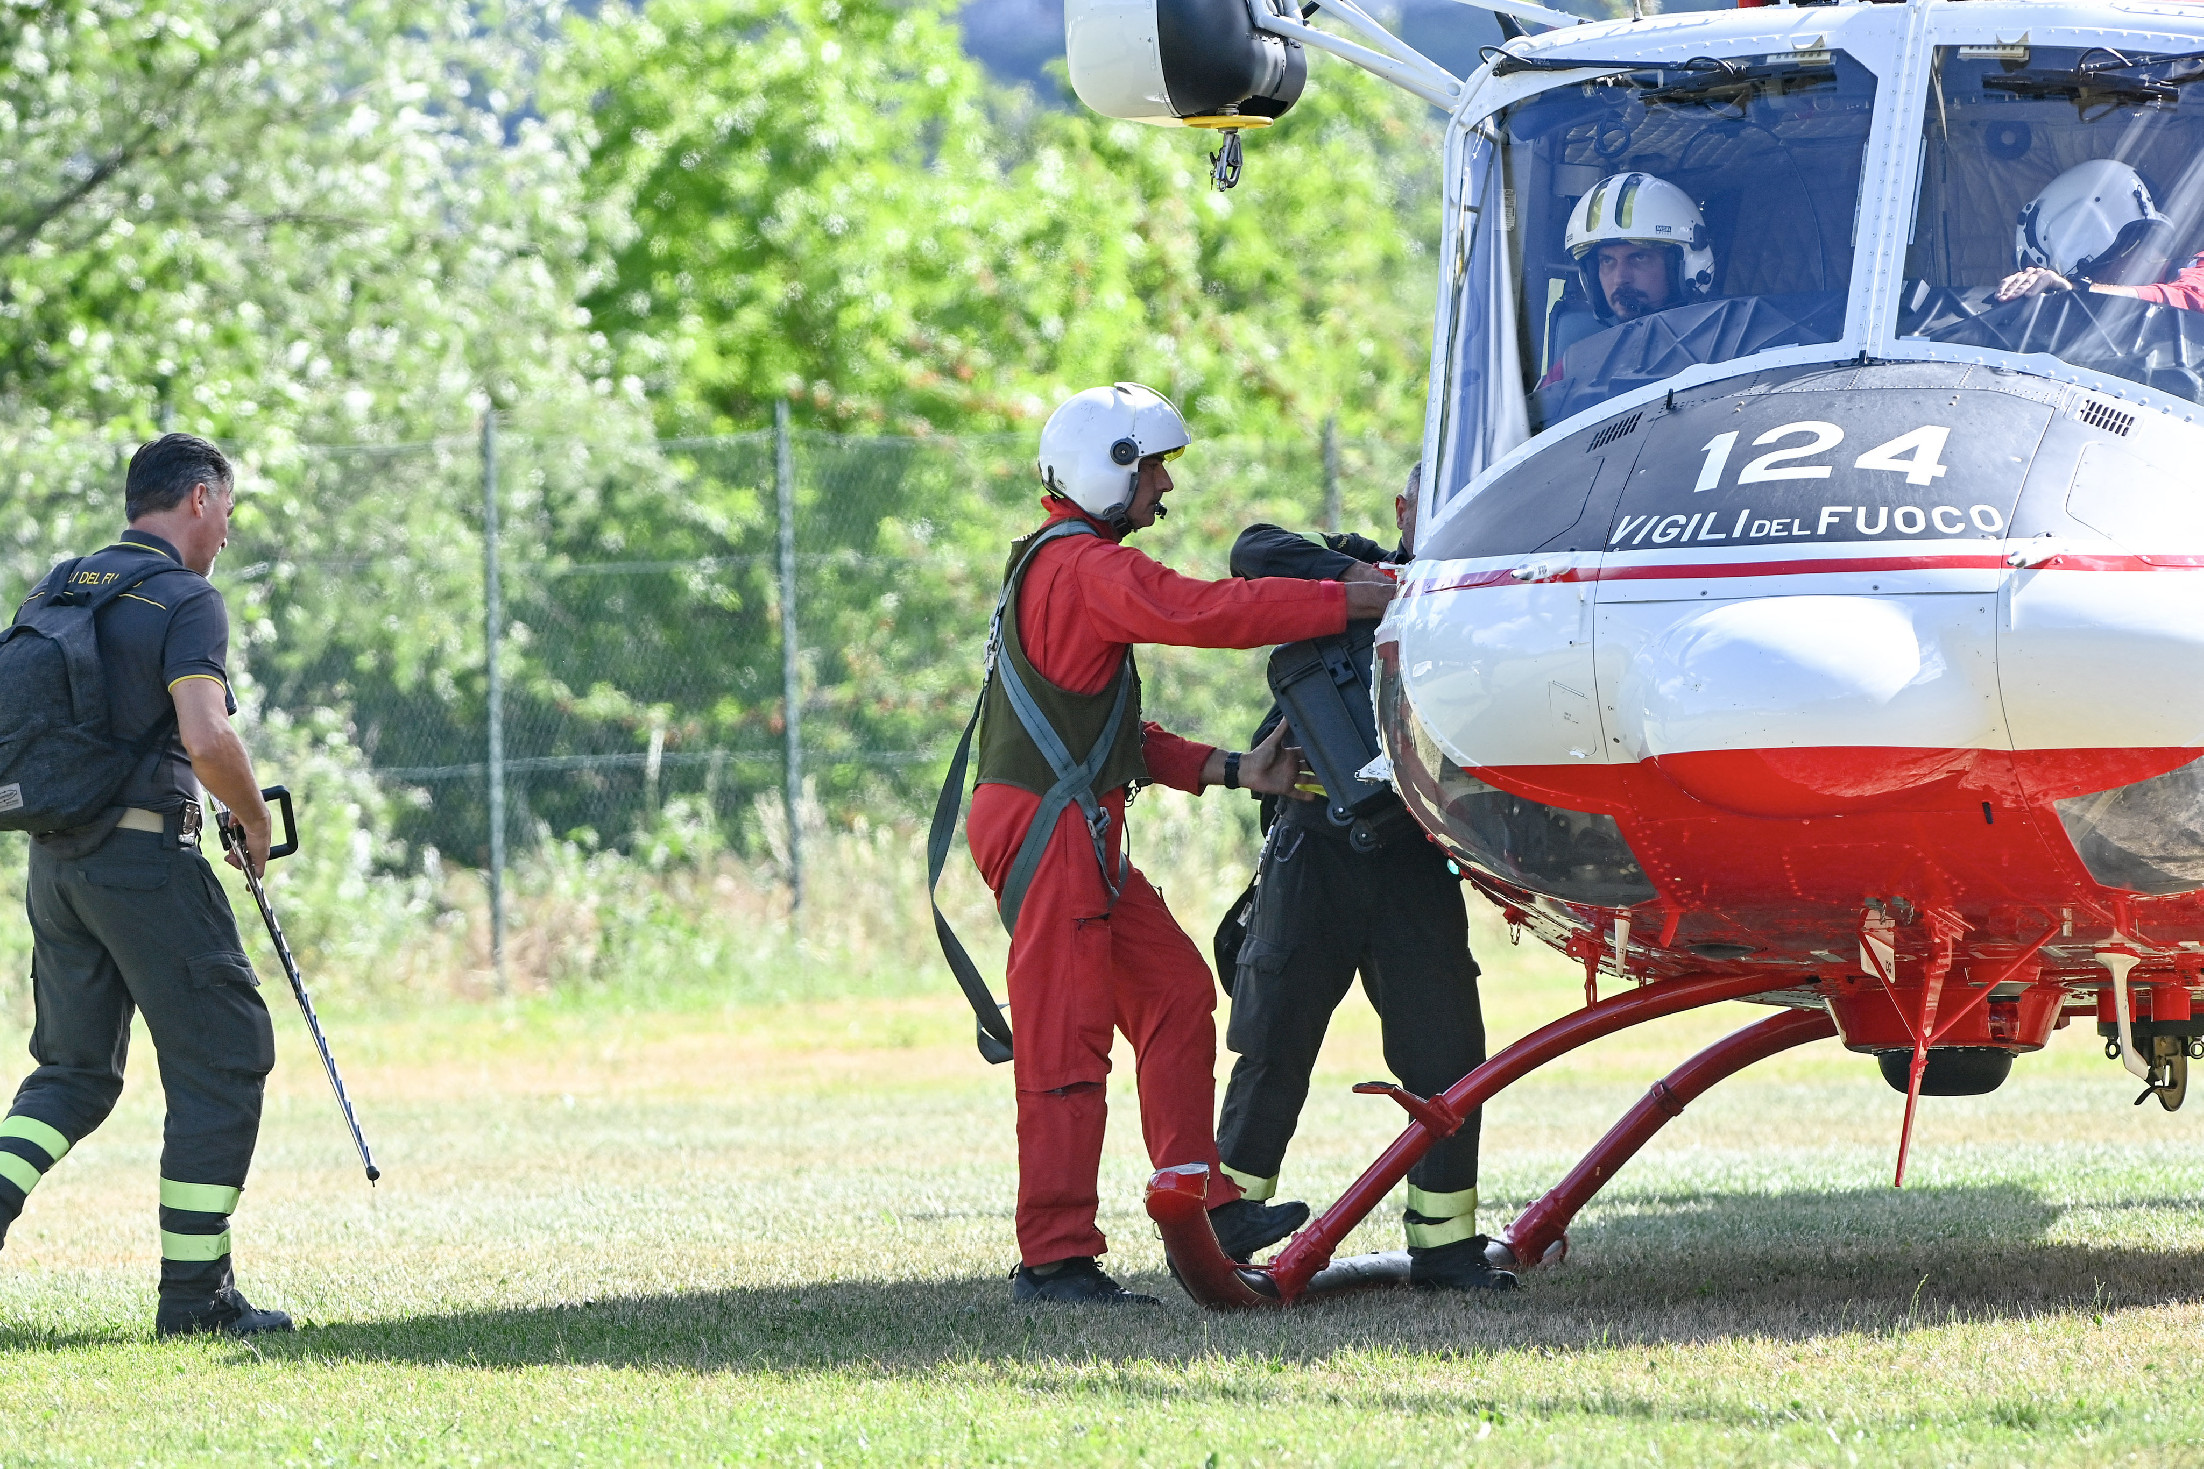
1321 911
127 915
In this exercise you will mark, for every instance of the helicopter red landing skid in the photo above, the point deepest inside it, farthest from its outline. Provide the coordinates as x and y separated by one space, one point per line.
1542 1229
1175 1195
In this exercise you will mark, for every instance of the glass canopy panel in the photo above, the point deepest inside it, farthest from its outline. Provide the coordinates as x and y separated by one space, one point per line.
1617 231
2062 209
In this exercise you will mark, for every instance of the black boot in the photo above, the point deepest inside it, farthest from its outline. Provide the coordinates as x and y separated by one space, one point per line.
1458 1266
1245 1226
228 1314
1074 1282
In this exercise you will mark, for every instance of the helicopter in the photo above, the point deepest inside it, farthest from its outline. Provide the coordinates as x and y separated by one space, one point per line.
1820 627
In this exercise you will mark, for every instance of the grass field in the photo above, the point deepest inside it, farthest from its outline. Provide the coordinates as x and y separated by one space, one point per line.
779 1235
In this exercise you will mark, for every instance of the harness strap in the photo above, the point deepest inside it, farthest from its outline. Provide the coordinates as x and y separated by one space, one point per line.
994 1030
1074 782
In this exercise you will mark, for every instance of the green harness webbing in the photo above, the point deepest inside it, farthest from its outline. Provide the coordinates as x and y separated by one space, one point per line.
1074 783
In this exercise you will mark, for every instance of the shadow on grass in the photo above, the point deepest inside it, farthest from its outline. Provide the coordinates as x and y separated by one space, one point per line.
1689 1267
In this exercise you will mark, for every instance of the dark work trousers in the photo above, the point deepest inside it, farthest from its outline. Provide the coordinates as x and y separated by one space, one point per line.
1322 912
141 924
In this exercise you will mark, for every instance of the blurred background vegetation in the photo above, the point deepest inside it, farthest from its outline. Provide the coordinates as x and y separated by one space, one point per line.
333 236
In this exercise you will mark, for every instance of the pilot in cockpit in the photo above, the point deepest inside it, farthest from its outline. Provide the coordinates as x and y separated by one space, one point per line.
1641 247
2096 228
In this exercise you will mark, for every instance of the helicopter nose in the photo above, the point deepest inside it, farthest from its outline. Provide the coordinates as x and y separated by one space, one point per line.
1816 705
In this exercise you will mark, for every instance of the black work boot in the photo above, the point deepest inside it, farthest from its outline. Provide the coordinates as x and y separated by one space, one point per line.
228 1314
1074 1282
1245 1226
1457 1266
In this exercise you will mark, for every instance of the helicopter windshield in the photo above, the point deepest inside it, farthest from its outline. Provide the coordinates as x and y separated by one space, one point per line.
1617 231
2062 210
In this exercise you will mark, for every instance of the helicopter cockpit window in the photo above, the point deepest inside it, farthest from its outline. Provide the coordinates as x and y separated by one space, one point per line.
2062 210
1617 231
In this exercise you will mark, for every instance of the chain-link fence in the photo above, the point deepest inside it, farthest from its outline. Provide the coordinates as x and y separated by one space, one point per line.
533 636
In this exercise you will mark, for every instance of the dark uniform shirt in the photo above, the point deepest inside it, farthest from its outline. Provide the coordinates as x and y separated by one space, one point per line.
1268 550
171 629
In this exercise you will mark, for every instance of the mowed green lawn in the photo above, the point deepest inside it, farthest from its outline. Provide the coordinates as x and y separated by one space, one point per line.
781 1236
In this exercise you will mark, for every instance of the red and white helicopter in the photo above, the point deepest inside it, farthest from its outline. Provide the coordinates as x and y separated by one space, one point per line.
1827 630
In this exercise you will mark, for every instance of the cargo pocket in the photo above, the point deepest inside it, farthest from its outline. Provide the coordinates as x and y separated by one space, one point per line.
1254 993
230 1029
208 970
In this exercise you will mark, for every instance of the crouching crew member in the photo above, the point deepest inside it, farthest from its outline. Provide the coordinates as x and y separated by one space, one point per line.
127 915
1322 911
1093 948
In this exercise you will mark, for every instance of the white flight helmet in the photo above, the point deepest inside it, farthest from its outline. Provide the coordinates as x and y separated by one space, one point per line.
2096 221
1646 210
1092 445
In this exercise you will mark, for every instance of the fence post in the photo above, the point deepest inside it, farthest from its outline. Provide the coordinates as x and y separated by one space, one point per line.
493 628
792 788
1331 475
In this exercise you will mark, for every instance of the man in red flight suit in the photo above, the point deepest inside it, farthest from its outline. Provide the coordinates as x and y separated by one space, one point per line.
1085 960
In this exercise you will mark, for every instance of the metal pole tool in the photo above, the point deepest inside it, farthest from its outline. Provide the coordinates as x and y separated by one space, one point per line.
233 837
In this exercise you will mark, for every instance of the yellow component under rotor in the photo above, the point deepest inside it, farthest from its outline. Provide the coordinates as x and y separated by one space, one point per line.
1227 121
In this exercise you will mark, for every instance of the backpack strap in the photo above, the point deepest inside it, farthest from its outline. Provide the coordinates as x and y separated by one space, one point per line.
80 645
87 687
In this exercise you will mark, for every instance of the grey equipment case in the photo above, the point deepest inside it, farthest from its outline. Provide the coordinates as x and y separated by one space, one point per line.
1326 700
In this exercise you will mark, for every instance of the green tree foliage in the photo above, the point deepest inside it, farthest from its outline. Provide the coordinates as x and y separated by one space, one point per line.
826 202
282 223
289 224
281 220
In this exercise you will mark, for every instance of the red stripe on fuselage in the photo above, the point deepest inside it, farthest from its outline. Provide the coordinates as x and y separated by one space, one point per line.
1834 566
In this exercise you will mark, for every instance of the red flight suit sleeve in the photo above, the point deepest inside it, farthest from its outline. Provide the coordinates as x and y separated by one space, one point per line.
1173 760
2185 290
1131 598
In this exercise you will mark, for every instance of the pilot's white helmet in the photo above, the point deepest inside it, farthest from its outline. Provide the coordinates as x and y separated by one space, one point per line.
2095 216
1643 209
1092 445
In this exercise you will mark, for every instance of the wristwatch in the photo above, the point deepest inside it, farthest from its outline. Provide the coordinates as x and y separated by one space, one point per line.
1232 770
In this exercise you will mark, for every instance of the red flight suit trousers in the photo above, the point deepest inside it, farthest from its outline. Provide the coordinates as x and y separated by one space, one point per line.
1080 969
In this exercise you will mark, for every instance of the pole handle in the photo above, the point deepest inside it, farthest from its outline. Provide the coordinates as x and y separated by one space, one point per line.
281 796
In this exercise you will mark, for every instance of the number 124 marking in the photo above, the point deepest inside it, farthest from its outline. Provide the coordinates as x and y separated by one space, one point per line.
1917 454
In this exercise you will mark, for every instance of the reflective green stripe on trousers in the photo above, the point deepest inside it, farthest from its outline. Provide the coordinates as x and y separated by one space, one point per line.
1252 1187
194 1246
199 1198
1439 1219
20 1171
1442 1206
30 1129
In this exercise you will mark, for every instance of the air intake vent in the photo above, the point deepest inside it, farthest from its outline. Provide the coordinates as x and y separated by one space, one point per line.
1622 428
2106 417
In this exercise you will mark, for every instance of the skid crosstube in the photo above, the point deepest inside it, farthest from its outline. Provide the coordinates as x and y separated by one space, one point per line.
1177 1196
1545 1224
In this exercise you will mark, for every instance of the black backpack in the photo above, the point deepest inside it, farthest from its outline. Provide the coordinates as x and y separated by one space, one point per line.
60 762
